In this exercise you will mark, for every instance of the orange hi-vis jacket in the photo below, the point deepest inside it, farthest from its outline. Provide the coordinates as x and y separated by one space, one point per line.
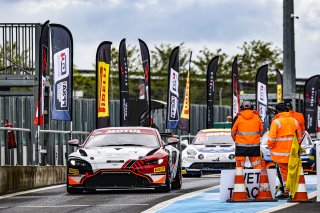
280 138
296 115
246 132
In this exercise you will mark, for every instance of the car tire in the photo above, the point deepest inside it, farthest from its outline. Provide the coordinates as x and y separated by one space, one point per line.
167 186
177 182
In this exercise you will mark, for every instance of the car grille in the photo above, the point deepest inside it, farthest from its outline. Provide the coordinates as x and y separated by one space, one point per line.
116 179
212 166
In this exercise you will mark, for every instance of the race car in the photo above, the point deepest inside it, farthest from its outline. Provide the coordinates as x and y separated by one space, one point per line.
211 150
308 157
124 158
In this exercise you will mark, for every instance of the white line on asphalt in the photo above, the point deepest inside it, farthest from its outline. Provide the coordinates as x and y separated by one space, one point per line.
124 204
62 206
286 205
181 197
30 191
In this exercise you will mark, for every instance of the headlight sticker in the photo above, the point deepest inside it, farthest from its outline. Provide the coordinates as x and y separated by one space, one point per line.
159 169
73 171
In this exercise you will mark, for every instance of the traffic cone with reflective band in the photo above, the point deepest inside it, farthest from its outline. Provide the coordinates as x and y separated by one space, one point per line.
301 194
239 190
264 193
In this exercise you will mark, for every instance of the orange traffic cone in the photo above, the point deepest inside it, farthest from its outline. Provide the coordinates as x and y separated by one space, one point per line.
301 194
264 193
239 190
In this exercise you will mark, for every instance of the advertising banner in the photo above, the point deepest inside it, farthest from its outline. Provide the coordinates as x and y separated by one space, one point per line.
43 69
62 57
173 106
279 86
211 75
251 182
103 59
124 84
147 80
235 89
311 104
184 122
262 93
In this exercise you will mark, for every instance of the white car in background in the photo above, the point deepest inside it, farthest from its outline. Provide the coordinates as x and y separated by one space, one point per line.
211 150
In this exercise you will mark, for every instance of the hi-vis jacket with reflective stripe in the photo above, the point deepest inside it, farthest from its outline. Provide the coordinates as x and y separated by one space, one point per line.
246 132
281 135
296 115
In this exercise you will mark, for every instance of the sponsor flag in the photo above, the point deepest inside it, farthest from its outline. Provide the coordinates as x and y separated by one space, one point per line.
141 89
311 105
262 94
62 57
211 75
103 59
279 86
235 89
147 80
184 122
43 69
124 84
173 105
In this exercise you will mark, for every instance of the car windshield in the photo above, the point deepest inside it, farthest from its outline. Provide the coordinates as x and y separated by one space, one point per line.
105 140
213 138
306 140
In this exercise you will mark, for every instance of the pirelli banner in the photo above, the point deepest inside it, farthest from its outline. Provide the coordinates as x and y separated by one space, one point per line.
43 70
62 57
279 86
173 106
103 59
262 93
211 76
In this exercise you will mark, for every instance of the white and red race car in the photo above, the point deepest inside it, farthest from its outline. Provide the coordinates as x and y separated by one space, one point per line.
124 157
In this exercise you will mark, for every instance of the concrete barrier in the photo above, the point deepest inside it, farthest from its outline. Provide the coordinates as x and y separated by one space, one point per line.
19 178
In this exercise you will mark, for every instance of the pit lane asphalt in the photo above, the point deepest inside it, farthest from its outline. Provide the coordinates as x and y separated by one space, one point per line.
58 200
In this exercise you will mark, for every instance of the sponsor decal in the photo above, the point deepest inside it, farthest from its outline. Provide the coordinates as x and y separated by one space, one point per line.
115 161
173 109
216 160
124 131
159 169
61 64
218 133
262 93
62 95
73 171
174 83
103 81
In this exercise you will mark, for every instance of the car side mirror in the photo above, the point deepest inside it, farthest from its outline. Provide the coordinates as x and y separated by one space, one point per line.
74 142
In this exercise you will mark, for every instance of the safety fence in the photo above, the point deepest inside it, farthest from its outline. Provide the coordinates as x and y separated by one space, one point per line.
52 148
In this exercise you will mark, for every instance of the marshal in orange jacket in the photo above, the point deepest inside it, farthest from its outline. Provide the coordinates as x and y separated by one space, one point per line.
246 132
282 131
296 115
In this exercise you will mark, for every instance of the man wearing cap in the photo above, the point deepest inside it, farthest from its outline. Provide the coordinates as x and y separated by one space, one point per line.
246 132
280 139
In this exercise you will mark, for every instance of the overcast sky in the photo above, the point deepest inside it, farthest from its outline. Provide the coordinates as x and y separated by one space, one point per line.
224 24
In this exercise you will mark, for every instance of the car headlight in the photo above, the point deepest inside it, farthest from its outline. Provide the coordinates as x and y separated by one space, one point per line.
191 152
79 163
231 156
308 151
154 162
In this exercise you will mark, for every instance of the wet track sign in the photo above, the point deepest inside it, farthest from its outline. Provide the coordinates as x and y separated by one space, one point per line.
251 181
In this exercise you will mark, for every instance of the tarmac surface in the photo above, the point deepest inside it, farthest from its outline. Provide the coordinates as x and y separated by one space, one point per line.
209 201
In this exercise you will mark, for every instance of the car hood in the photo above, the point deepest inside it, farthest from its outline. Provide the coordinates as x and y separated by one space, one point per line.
214 148
99 155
